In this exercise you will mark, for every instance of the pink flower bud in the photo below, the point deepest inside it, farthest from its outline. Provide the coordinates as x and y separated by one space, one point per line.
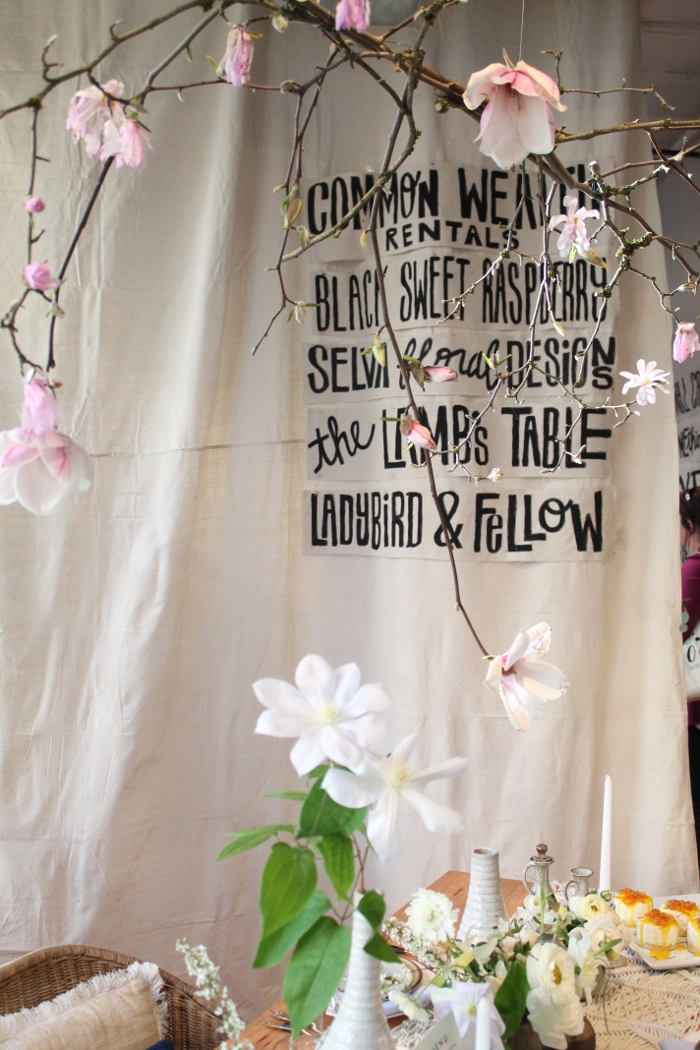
439 373
416 433
39 277
352 14
34 204
686 342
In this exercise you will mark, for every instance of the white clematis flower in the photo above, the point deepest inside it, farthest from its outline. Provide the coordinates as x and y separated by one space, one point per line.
462 1000
581 950
553 1006
431 916
391 787
333 716
523 679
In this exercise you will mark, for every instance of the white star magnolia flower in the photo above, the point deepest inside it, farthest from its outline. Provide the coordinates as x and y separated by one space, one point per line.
333 716
462 1001
392 789
648 378
524 681
574 233
431 916
553 1006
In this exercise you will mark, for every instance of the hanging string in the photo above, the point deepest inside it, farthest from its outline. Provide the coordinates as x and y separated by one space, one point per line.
522 23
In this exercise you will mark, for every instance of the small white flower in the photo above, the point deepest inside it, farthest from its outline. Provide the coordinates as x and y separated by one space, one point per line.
524 681
496 475
581 950
333 716
462 1001
553 1006
647 379
431 916
392 788
574 234
408 1005
588 907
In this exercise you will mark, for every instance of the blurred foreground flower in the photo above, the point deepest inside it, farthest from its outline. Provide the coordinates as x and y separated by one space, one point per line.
524 681
331 713
517 119
39 276
461 1000
685 342
238 57
392 789
352 14
647 379
39 465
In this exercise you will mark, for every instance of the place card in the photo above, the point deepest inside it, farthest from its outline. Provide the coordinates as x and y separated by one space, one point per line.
443 1036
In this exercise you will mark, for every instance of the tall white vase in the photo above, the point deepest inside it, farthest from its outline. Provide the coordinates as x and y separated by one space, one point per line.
360 1023
485 903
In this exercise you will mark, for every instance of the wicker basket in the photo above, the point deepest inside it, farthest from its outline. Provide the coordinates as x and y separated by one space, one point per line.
41 975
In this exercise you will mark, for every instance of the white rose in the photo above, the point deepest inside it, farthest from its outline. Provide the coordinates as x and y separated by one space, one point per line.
588 907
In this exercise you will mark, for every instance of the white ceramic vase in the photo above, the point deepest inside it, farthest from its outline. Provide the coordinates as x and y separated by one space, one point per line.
360 1023
485 904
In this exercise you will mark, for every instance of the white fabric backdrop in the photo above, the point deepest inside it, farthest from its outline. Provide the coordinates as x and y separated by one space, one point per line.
134 620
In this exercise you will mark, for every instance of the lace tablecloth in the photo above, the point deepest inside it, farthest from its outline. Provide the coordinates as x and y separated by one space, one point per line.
640 1006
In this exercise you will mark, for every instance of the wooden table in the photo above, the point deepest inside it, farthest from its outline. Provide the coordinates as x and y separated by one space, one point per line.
454 884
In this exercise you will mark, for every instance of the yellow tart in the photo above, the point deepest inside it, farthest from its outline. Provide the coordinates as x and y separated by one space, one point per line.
631 905
681 912
658 931
693 934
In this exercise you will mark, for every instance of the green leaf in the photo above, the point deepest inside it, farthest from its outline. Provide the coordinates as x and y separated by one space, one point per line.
510 998
315 971
320 815
295 796
250 837
372 906
318 771
288 880
381 949
273 949
339 862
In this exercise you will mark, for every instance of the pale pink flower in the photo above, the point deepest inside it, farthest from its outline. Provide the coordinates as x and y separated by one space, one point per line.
517 119
524 681
238 57
126 140
574 234
352 14
39 465
440 373
416 433
34 204
647 379
88 111
686 342
39 277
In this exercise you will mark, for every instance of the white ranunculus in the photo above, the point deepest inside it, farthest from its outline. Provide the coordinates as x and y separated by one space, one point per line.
582 951
523 679
392 788
589 907
431 916
608 927
553 1006
329 711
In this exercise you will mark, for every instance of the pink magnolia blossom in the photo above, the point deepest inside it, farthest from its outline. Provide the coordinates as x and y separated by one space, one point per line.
523 679
352 14
125 139
686 342
416 433
39 465
517 119
574 234
88 111
647 379
39 277
34 204
440 373
238 57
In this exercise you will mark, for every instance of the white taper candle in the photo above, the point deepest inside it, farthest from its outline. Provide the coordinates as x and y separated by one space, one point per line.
605 878
483 1024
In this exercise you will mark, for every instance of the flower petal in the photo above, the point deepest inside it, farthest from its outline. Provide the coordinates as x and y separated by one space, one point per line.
369 697
370 732
340 747
278 722
435 816
352 789
547 87
543 680
315 679
499 136
535 125
36 489
7 485
280 695
347 683
443 771
384 825
494 674
308 752
82 465
480 86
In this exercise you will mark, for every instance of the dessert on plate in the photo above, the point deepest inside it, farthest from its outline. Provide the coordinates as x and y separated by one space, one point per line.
693 934
631 905
681 911
659 932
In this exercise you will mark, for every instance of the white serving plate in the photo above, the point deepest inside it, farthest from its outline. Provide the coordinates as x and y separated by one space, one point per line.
681 958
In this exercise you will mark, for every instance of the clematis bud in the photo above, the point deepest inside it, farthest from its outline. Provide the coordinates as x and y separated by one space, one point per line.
39 277
416 433
352 14
34 204
686 342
